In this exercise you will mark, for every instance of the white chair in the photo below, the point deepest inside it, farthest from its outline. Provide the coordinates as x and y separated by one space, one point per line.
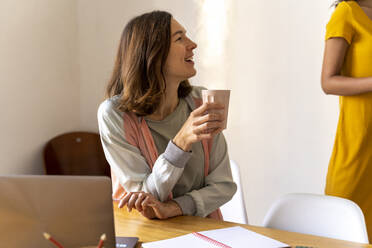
320 215
234 210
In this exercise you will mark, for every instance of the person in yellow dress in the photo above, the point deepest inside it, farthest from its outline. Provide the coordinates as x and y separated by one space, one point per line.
347 72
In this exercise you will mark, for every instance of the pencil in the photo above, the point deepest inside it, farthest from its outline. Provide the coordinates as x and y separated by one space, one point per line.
101 240
51 239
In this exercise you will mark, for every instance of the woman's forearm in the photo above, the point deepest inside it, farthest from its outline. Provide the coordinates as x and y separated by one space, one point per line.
173 209
346 86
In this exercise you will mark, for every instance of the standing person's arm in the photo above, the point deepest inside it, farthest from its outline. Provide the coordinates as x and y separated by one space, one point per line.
339 36
332 81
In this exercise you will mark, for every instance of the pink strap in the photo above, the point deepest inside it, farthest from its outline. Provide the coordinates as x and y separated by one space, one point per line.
207 147
137 134
149 143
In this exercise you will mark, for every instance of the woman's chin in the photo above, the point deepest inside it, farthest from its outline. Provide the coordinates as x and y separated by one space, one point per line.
186 76
192 74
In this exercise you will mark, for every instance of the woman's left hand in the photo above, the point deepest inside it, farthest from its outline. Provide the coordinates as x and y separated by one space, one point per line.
149 206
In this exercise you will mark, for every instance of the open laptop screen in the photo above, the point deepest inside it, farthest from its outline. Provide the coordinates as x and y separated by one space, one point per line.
75 210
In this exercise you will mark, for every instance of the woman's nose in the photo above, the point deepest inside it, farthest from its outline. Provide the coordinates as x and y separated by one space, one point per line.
192 45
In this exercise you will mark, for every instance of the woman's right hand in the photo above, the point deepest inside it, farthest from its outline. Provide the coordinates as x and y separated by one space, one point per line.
203 123
149 206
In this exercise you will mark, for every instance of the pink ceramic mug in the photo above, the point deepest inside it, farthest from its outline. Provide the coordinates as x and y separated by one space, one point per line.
219 96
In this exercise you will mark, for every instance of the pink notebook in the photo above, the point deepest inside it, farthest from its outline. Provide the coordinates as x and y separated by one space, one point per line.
232 237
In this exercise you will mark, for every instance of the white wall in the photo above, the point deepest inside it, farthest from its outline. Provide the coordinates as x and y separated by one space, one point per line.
39 95
100 24
281 126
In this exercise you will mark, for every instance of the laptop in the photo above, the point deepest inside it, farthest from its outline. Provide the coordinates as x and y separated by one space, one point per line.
74 210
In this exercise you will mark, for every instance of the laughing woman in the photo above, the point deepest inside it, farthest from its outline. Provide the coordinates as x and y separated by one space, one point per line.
347 72
166 151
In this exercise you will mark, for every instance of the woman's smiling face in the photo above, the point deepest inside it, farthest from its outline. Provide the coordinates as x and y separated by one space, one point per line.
179 65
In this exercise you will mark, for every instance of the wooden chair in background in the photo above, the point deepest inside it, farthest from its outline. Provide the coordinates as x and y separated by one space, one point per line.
75 153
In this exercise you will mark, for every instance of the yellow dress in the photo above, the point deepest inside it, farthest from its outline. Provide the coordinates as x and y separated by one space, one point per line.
350 167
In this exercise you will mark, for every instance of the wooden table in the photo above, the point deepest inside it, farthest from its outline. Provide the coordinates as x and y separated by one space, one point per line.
133 224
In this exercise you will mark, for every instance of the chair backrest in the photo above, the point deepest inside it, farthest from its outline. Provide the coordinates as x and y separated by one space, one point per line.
320 215
75 153
234 210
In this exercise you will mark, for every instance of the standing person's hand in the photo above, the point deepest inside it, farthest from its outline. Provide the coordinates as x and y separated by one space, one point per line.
203 123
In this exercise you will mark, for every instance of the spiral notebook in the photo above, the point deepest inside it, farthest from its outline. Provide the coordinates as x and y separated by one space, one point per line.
232 237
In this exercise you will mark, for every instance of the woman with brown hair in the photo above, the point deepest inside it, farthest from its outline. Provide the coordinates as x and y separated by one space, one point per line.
166 151
347 72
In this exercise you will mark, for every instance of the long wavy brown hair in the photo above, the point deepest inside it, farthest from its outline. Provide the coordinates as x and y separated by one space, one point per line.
138 75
